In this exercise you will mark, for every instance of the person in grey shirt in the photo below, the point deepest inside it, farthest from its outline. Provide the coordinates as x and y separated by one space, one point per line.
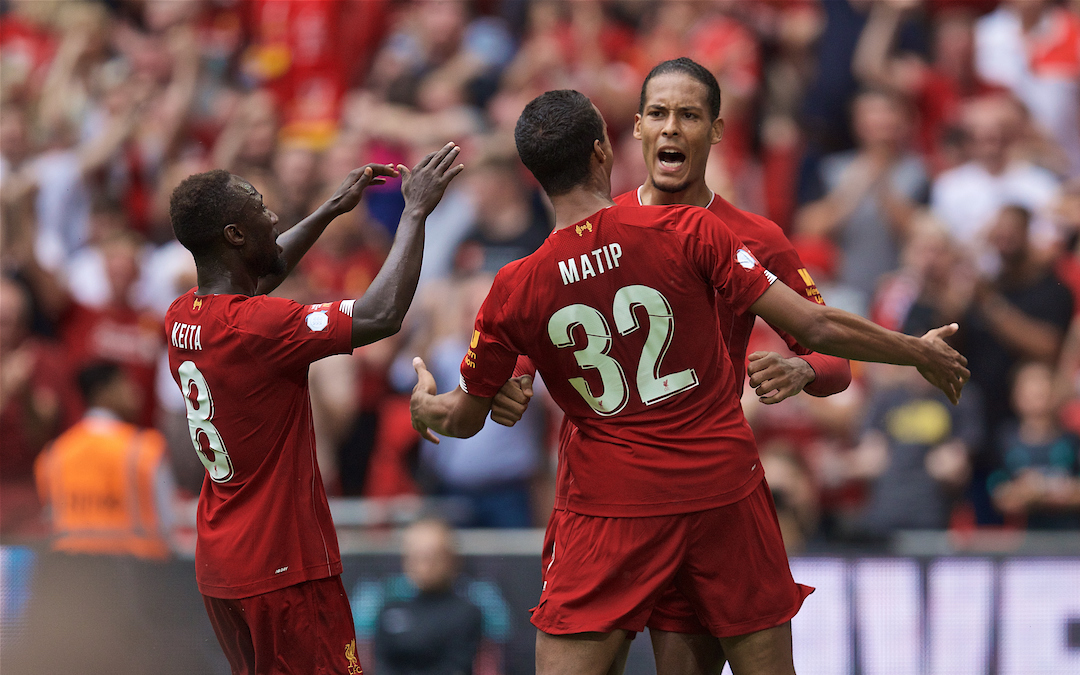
869 193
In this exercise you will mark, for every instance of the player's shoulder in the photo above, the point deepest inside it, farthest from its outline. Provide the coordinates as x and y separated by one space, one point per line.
663 217
751 228
183 300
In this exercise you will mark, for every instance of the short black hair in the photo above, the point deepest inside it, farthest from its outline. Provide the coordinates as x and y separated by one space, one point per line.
691 68
555 136
96 376
201 206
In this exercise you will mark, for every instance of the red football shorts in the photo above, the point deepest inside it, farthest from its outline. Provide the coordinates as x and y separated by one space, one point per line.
304 629
728 563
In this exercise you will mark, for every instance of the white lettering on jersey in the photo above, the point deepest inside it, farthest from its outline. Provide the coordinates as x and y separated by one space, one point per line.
606 257
568 270
186 336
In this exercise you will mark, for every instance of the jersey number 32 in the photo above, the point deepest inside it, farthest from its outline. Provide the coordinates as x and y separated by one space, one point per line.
651 385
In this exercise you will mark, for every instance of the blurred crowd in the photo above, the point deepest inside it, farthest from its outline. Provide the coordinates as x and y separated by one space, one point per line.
923 156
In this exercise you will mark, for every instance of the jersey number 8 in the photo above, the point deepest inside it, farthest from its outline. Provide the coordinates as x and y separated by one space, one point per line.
651 385
204 435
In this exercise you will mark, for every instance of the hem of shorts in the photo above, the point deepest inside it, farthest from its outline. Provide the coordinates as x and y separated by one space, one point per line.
562 628
275 583
667 508
764 623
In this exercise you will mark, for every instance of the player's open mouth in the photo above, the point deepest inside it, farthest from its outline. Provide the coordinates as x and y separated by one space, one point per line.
671 160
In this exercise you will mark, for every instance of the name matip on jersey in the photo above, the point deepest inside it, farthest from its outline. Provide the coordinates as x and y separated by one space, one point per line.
242 366
619 314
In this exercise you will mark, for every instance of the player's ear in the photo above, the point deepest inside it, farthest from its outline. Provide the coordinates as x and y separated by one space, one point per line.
637 126
717 130
234 236
599 153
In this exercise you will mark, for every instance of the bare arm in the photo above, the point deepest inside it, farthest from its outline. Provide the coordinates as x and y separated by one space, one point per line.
454 413
380 311
870 63
1031 337
824 216
834 331
299 238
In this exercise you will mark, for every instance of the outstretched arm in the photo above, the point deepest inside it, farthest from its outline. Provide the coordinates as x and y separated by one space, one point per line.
380 311
299 238
834 331
454 413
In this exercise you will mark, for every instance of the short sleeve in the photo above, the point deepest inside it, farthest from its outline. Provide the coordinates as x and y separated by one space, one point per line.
284 334
491 358
726 262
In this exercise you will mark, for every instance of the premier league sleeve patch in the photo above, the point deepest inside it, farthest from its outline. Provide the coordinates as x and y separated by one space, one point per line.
317 321
746 259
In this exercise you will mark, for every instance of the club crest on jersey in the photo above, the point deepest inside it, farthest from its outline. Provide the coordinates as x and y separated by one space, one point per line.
197 305
745 258
317 321
580 229
354 662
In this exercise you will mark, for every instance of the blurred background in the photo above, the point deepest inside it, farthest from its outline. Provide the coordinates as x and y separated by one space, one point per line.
922 155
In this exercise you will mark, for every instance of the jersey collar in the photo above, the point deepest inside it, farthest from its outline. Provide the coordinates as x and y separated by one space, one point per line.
712 196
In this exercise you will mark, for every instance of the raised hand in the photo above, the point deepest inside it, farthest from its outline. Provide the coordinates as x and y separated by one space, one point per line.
770 372
347 196
944 367
423 186
512 400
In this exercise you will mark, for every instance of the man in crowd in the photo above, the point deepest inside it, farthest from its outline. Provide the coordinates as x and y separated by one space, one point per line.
436 631
267 560
650 494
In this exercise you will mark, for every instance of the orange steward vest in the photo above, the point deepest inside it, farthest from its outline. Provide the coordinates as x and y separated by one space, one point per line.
99 481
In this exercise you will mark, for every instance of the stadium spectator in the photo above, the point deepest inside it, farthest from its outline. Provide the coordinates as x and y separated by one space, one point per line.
38 400
915 451
869 194
110 499
491 473
938 87
1020 314
106 481
1039 484
563 141
1029 46
510 221
967 199
436 631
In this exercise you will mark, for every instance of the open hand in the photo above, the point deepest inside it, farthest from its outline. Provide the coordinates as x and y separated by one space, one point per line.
347 196
512 401
770 372
424 185
944 367
425 388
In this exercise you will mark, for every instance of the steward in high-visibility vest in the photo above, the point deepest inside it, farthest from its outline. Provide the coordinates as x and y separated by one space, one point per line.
106 482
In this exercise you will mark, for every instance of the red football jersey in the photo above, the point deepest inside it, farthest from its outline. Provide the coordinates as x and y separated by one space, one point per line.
767 242
618 312
242 365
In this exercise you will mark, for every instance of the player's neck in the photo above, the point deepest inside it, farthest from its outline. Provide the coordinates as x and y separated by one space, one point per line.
697 194
578 204
220 279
